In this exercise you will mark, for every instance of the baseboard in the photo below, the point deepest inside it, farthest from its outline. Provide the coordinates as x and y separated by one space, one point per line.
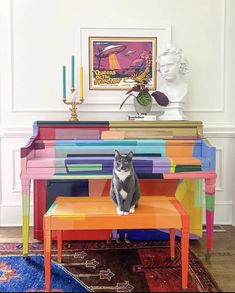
217 228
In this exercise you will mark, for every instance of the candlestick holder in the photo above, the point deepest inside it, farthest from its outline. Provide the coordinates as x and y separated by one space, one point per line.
74 101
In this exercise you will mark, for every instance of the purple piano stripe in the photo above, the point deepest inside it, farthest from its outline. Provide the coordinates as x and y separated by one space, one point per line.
143 169
106 161
161 165
109 171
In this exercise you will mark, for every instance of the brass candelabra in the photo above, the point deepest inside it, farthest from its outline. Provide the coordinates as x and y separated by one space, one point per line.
74 101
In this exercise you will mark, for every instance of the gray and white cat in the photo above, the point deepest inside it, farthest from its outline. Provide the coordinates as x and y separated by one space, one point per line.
125 190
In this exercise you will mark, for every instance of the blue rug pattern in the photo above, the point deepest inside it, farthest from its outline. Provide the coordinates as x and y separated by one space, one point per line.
20 275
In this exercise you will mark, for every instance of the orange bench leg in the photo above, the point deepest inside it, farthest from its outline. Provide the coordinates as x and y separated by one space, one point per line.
47 252
59 245
184 256
172 243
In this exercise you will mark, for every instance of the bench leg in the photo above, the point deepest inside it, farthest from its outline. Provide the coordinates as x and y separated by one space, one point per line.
47 252
184 256
59 244
172 243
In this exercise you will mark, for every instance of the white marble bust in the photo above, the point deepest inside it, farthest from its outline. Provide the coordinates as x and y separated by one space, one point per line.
172 65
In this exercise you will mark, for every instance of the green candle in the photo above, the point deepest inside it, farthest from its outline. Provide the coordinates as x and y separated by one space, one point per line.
64 82
72 72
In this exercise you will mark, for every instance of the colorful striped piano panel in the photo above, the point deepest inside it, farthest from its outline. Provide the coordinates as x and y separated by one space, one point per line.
164 150
152 158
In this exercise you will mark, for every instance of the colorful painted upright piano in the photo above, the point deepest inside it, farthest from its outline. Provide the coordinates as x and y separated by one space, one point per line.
170 158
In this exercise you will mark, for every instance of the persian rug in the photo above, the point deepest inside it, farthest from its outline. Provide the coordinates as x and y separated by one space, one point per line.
98 266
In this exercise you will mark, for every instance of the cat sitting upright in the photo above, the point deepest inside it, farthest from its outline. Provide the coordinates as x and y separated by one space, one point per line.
125 190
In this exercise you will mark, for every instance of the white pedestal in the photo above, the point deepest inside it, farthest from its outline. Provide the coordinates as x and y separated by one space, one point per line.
174 111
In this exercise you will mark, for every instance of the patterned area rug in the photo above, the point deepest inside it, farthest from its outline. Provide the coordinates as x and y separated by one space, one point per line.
139 266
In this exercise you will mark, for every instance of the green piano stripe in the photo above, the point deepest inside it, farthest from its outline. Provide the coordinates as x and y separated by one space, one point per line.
84 167
187 168
25 203
198 193
210 202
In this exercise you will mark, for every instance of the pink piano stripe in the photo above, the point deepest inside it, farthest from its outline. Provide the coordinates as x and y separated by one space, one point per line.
47 152
77 133
209 229
210 189
39 171
23 165
43 162
191 175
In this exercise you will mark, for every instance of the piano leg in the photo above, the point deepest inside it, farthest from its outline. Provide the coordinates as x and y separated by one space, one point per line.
210 207
26 209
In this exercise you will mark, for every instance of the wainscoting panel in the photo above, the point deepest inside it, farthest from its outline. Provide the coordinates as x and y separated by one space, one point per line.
14 137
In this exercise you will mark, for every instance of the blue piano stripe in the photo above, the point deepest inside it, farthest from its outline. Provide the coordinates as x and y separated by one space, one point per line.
197 150
208 151
146 142
147 155
138 149
205 164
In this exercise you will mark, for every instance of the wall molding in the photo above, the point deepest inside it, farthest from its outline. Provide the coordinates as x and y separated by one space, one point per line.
21 113
219 130
14 187
91 105
220 169
15 209
15 131
212 130
18 204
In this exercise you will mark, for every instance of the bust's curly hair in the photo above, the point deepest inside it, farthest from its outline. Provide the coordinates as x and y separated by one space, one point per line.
172 50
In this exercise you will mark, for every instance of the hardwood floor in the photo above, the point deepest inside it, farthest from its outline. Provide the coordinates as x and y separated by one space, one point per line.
221 264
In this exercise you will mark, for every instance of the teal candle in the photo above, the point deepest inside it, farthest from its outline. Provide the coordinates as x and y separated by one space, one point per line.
72 72
64 82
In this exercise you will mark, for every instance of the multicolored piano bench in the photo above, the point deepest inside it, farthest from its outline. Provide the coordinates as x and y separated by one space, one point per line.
99 213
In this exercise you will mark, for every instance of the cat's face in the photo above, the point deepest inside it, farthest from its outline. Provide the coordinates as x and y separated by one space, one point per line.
123 163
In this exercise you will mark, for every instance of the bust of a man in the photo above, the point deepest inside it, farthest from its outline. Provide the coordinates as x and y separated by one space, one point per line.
172 65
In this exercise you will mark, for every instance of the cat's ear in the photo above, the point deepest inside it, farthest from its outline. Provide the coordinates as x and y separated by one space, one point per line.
130 155
117 154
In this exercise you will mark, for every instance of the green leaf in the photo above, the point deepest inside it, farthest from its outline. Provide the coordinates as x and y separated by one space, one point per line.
144 98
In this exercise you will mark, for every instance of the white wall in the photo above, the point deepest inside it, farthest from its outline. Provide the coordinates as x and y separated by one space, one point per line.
38 37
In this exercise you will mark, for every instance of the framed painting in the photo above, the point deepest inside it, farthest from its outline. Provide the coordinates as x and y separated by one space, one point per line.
103 86
117 63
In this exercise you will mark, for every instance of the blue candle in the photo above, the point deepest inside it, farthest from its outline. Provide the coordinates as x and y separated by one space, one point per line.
72 73
64 82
